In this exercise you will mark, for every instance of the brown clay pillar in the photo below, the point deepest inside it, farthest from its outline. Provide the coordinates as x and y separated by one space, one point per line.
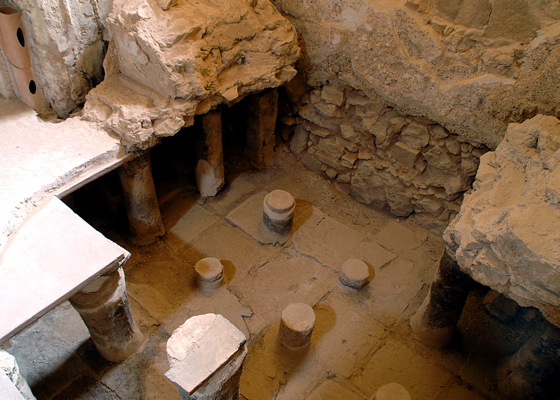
520 374
141 200
210 166
104 307
435 320
261 123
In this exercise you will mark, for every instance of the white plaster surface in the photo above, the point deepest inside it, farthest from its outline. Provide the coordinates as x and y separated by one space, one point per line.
40 158
51 257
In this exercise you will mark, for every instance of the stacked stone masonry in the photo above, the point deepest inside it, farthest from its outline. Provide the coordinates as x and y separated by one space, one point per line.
383 157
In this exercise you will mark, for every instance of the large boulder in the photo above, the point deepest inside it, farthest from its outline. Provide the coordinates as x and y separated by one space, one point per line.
506 235
169 61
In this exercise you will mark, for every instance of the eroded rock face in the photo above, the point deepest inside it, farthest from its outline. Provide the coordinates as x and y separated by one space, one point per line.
66 47
169 61
506 235
472 66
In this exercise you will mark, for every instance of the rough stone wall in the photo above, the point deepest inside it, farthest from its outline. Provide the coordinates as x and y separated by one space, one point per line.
66 48
472 66
383 157
405 96
169 61
506 235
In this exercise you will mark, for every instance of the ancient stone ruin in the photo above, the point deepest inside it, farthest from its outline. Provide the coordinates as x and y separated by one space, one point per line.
362 196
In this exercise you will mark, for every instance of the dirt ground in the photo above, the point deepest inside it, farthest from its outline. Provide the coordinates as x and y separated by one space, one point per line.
362 339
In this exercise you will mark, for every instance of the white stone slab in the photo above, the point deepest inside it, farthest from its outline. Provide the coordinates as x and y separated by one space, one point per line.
51 257
8 390
199 347
40 158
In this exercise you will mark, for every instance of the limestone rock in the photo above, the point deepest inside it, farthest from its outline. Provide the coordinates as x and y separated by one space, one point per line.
472 66
168 63
506 235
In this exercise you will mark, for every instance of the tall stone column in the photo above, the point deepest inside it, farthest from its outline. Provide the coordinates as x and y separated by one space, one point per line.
437 317
520 374
261 123
210 166
104 307
141 200
9 367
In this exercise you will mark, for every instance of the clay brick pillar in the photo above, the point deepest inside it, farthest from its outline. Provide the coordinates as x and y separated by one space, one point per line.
141 200
435 320
261 123
13 386
206 357
104 307
210 166
520 374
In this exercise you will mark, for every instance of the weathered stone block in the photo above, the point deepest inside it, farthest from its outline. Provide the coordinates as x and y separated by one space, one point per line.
367 186
404 154
333 95
298 144
331 148
347 131
415 135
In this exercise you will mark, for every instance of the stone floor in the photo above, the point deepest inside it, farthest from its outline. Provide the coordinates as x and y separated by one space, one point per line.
361 341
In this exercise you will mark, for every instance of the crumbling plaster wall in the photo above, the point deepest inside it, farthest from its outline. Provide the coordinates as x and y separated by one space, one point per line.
66 48
404 96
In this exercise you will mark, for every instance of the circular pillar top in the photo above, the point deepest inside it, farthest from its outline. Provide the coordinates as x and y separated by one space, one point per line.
279 201
299 317
392 391
209 269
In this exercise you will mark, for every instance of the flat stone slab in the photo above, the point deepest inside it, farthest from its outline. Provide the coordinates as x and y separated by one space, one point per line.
52 256
395 237
249 218
332 243
199 347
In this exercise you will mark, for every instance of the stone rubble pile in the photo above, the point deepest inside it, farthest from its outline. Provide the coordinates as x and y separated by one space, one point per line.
506 235
382 157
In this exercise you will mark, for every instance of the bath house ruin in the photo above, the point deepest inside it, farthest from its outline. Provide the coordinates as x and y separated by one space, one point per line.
280 199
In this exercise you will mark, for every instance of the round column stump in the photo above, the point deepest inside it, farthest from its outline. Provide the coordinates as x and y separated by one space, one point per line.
296 326
278 212
392 391
210 273
354 274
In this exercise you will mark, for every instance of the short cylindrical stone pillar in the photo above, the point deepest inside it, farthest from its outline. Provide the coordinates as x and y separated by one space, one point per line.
437 317
391 391
141 200
354 273
9 367
210 272
278 212
104 307
296 326
206 357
